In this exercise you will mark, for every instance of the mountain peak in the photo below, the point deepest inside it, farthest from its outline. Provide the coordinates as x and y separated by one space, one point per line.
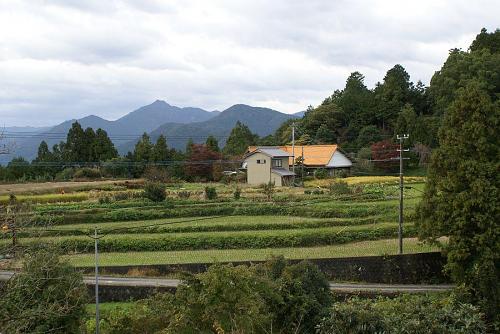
159 103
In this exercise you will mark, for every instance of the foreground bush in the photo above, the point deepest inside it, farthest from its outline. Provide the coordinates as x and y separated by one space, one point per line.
155 191
405 314
47 296
271 298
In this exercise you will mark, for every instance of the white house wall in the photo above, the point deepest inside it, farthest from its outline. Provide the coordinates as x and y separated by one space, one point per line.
339 160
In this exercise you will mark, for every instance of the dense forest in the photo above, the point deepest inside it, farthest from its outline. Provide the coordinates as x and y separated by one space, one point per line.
363 121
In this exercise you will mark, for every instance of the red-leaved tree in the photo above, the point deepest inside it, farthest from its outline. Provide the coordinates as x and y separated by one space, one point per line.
385 154
201 162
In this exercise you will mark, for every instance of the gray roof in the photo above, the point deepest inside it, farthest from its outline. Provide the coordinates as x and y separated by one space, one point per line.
272 152
282 171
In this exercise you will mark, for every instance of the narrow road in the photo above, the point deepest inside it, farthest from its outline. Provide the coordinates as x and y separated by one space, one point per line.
338 287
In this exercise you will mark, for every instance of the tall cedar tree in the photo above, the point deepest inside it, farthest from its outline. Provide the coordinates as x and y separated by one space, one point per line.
240 138
160 150
104 149
74 148
143 149
212 144
461 195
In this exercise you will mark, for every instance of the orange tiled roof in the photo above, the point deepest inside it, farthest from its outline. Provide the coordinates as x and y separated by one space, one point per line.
314 155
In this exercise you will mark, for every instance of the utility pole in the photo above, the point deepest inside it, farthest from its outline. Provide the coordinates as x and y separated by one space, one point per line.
96 241
293 153
401 138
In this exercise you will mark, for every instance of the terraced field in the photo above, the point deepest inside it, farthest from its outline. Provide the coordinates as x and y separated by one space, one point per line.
295 224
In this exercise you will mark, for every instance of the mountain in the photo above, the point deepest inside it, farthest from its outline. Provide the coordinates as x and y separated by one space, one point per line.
23 129
262 121
147 118
300 114
124 129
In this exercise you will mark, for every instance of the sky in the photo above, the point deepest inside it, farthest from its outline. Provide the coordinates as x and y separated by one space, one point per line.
65 59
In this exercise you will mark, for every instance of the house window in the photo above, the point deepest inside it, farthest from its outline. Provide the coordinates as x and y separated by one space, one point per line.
278 163
261 161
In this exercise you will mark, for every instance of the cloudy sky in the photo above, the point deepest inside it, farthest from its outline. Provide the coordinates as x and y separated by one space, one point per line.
64 59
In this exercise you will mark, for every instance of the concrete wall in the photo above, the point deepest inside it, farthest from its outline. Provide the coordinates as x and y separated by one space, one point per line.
402 269
258 173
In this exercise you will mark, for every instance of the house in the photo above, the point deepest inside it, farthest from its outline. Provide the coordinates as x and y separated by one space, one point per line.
268 164
314 157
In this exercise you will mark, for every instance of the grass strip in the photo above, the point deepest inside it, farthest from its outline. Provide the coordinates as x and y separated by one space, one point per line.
362 248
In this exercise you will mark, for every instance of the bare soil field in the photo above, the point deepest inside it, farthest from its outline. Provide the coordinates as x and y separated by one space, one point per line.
53 187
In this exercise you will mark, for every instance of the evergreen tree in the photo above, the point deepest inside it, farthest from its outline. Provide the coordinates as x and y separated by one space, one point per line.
74 148
42 160
481 63
143 149
368 135
461 195
240 138
189 147
324 136
89 144
355 101
392 95
104 149
160 150
44 154
212 144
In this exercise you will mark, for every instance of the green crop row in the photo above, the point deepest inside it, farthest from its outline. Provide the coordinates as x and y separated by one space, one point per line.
314 210
228 240
204 226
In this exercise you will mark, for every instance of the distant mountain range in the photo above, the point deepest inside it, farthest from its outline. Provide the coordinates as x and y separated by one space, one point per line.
177 124
262 121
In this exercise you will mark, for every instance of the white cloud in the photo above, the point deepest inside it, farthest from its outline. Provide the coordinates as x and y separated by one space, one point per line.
67 59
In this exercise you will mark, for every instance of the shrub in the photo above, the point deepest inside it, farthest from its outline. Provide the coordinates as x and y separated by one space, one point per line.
304 294
184 194
270 298
156 174
46 296
87 173
104 199
237 193
268 189
321 173
339 187
405 314
210 193
342 173
65 175
122 195
155 191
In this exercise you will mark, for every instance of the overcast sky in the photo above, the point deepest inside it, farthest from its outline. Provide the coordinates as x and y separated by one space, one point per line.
69 58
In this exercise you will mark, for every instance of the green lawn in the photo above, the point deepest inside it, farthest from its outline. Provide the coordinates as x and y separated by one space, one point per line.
363 248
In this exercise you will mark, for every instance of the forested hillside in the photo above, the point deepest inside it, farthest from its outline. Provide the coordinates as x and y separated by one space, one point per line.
356 116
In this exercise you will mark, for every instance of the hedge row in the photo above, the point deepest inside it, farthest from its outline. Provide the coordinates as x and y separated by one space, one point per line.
210 227
148 213
227 241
